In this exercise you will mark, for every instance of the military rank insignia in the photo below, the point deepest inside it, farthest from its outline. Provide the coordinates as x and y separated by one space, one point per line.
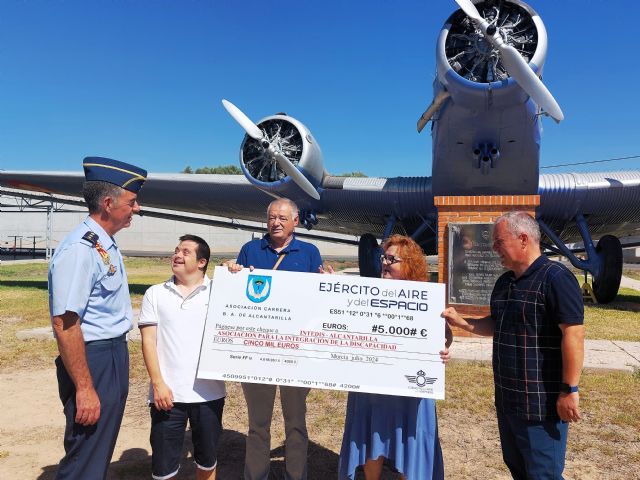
92 238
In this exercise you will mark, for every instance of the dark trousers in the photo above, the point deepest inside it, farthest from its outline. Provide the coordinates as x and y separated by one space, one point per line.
533 450
88 450
260 399
168 430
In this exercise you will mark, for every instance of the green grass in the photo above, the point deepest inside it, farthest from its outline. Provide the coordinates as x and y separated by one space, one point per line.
635 274
144 272
618 320
21 271
24 305
608 402
23 308
476 396
609 397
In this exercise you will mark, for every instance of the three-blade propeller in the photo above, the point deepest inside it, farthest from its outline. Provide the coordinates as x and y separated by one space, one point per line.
238 115
515 65
283 162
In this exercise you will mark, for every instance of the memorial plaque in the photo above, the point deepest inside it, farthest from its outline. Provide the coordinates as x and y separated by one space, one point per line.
473 265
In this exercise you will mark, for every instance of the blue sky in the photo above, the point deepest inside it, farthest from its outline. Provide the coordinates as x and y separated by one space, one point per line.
141 81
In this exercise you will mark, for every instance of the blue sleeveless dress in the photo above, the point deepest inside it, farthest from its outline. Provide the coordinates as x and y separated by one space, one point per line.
402 429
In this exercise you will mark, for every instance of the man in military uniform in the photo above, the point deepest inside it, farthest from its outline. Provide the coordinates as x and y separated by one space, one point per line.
91 314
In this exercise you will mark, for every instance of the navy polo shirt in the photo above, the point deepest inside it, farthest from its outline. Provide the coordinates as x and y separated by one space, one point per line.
299 256
527 358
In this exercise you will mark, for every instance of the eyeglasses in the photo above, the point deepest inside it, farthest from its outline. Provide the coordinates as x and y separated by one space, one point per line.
389 259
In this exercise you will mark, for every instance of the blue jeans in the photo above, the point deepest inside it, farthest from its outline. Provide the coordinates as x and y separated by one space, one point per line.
533 450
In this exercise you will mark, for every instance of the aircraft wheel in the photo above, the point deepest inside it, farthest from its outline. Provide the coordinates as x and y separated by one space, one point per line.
369 256
606 285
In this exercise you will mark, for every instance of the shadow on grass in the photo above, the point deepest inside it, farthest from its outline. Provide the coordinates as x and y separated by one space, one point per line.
628 298
622 302
39 284
135 463
138 288
134 288
322 462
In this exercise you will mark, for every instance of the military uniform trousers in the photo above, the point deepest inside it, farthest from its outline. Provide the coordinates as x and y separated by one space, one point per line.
88 449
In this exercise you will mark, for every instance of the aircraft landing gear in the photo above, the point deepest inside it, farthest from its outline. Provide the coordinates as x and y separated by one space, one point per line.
607 282
369 251
369 256
604 261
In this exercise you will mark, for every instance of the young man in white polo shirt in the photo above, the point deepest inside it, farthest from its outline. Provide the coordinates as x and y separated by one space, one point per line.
171 324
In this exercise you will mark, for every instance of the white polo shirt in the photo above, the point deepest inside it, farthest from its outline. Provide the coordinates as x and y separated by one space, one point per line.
180 323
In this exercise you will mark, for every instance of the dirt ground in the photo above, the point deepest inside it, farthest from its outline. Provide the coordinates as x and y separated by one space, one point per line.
31 427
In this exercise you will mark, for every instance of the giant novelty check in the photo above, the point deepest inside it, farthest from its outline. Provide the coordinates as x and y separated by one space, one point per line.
336 332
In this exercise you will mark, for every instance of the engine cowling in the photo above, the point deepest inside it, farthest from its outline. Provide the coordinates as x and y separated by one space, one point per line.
295 141
486 133
471 69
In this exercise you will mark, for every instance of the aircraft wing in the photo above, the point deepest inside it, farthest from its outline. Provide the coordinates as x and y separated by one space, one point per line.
610 201
348 205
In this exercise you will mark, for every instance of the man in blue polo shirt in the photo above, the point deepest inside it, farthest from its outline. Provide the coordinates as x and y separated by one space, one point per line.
91 314
279 249
536 320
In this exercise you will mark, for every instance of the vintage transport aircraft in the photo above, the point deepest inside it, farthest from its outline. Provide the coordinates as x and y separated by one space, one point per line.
485 123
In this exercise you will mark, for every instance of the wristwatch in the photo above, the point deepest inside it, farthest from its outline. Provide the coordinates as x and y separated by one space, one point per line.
566 388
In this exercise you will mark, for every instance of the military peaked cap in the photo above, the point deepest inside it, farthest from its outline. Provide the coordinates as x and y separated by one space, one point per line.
108 170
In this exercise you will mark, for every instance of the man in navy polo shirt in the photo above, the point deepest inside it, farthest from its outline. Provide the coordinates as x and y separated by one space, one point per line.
536 320
281 250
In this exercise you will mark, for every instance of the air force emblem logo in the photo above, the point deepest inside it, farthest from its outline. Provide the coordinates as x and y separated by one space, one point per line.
258 288
420 379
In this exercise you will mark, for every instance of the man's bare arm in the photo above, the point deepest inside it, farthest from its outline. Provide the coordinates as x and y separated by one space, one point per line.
568 404
162 394
479 326
71 347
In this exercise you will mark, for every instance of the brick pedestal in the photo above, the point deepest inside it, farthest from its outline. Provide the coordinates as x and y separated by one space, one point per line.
473 209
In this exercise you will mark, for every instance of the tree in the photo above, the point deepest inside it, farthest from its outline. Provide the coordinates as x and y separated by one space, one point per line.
233 170
221 170
357 173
